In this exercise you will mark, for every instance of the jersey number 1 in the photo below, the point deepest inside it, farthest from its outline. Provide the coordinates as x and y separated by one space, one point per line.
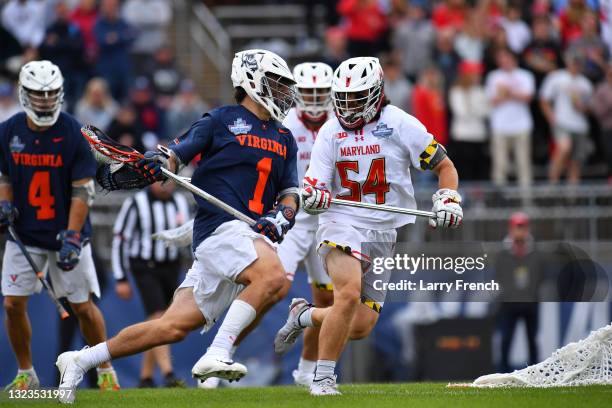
39 195
264 166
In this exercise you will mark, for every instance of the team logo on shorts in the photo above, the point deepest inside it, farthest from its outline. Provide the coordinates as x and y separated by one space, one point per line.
16 144
382 131
240 127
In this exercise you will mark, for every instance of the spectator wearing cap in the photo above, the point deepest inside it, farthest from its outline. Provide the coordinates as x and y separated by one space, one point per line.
592 48
414 40
509 90
114 38
601 106
64 46
25 20
519 273
97 106
397 88
149 116
151 18
468 131
366 26
8 102
186 108
564 99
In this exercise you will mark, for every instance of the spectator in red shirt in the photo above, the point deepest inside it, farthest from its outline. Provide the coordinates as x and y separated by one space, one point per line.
84 16
428 103
367 26
450 14
570 20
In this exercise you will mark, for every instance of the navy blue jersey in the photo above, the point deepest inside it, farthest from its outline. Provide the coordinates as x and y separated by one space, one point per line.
245 162
42 167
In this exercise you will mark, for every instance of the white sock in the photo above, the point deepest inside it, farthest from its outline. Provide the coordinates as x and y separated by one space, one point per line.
239 316
307 366
30 371
305 319
104 370
94 356
325 368
232 352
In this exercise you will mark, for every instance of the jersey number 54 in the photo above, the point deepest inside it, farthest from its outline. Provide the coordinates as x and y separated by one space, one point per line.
376 181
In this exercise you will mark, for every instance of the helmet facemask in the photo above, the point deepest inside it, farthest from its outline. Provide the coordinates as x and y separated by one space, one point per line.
314 103
278 93
42 107
355 109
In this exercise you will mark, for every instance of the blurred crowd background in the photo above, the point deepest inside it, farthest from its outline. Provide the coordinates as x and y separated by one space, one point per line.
520 92
517 90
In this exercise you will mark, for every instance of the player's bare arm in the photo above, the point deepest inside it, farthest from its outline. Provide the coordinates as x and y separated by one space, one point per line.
447 174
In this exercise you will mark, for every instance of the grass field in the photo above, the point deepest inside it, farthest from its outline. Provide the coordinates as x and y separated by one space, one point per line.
422 395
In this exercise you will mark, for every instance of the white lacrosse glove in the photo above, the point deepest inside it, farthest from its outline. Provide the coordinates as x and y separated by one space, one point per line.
177 237
315 200
447 207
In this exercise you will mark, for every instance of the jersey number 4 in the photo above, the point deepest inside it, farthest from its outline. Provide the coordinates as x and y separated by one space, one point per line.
376 181
39 195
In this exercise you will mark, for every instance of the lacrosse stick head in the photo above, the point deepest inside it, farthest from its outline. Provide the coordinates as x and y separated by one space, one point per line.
108 151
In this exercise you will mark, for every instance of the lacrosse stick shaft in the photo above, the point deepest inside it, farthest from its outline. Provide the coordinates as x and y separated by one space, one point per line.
41 277
186 183
383 207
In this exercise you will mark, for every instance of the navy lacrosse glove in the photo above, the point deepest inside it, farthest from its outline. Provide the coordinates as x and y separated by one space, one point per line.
8 214
70 250
275 223
151 166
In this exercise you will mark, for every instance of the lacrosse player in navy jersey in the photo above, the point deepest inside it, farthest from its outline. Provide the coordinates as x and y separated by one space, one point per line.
248 160
46 188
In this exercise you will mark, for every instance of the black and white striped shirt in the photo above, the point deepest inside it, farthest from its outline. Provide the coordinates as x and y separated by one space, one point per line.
141 216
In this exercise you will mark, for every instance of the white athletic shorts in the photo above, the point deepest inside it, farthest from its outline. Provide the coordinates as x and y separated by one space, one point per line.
349 239
219 259
18 278
300 244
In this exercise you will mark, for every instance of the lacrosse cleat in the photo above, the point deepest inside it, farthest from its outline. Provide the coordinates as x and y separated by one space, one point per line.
326 386
301 378
71 374
24 381
209 366
288 334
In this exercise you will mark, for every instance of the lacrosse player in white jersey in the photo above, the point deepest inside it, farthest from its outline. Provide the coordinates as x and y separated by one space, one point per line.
313 108
363 154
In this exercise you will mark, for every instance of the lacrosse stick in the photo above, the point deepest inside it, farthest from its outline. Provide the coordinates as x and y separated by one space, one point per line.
383 207
39 274
122 160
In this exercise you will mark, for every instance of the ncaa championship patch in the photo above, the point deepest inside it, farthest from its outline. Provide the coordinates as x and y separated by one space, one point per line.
240 127
16 144
382 131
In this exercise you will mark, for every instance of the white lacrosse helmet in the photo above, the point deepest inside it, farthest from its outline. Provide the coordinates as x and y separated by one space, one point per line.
41 92
313 83
357 91
266 78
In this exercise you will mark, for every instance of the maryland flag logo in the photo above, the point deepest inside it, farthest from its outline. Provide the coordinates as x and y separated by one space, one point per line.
427 154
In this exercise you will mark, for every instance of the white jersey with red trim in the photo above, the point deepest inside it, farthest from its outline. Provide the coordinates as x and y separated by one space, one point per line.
371 165
305 139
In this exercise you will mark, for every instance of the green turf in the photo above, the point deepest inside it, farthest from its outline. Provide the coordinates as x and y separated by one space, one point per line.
421 395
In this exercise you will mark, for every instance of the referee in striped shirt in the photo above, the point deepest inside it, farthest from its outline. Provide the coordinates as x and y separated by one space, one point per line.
154 267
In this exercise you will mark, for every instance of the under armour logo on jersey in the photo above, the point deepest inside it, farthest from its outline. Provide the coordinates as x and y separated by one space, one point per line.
358 138
16 145
240 127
